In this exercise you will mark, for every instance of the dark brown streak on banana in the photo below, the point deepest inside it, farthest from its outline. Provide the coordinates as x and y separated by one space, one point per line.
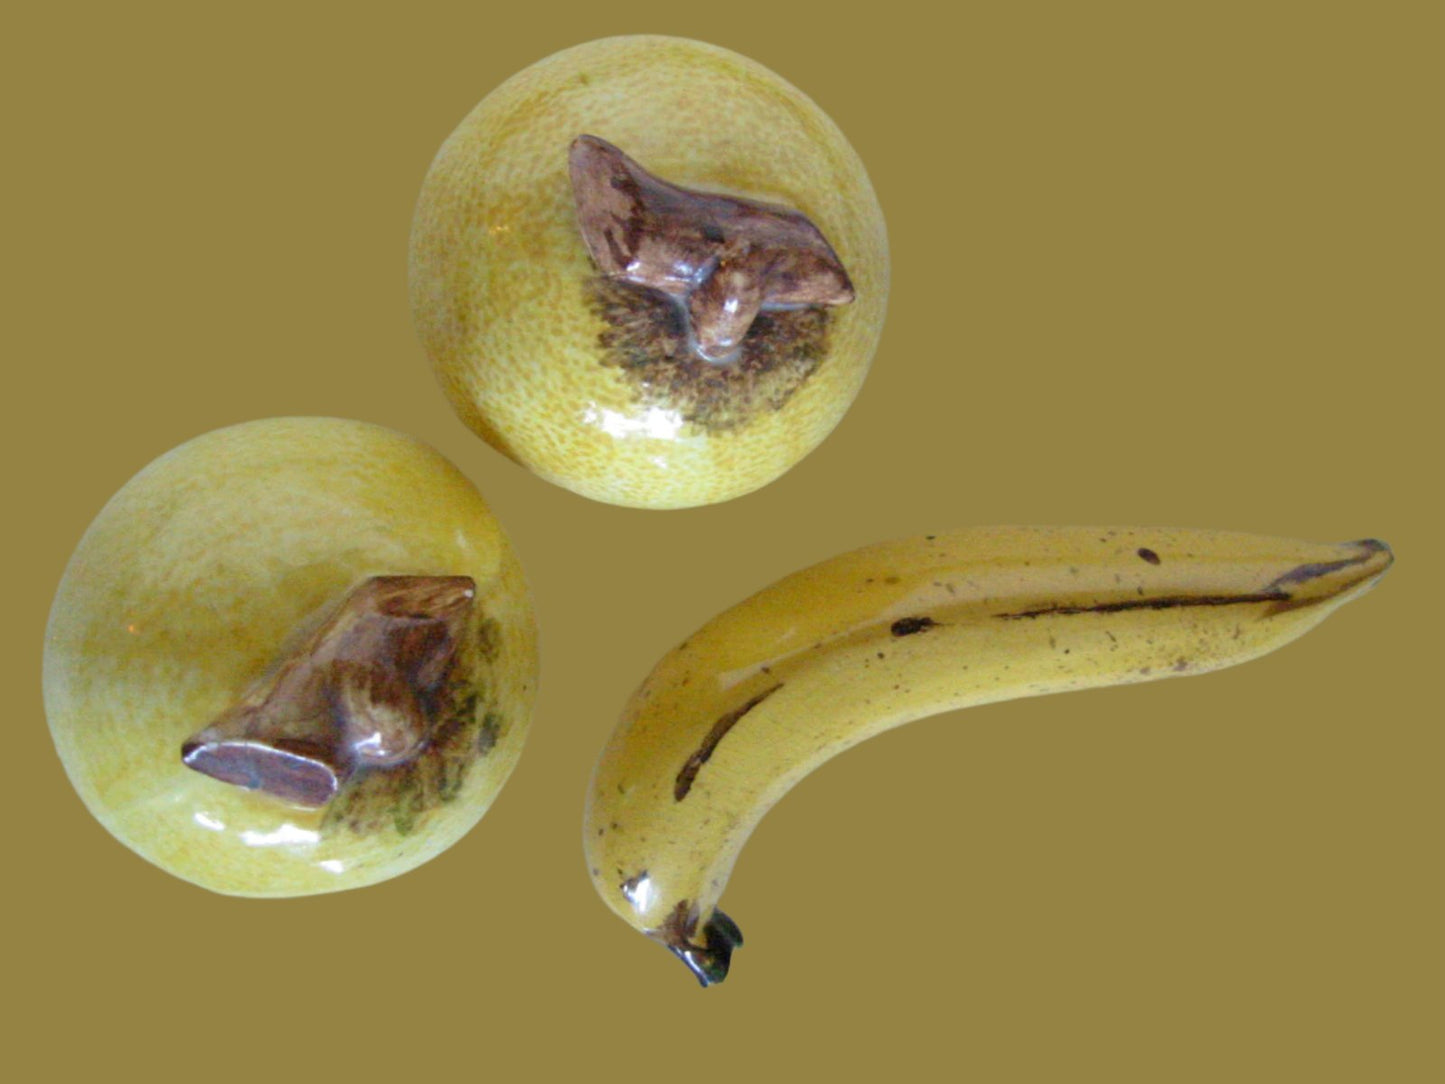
688 773
1273 592
1167 602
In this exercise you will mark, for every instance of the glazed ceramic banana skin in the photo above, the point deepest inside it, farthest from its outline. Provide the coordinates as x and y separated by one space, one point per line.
766 692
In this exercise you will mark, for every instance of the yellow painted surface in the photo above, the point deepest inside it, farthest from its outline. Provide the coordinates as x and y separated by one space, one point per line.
499 269
191 583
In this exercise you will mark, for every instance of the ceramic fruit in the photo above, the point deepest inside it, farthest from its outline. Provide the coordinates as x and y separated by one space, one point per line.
291 656
757 699
650 270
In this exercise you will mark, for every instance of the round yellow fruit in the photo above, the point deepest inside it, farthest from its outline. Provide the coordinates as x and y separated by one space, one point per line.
650 270
291 656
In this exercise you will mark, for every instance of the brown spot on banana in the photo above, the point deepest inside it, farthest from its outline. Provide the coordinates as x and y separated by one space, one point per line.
908 626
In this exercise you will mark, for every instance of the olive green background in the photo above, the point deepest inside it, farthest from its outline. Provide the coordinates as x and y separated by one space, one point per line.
1152 263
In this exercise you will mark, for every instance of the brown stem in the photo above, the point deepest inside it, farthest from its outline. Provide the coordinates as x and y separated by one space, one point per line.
361 692
708 958
724 259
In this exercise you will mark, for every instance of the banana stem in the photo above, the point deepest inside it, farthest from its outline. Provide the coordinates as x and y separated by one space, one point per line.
709 961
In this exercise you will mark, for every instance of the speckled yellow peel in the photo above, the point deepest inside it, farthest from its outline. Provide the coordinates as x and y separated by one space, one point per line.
731 719
193 584
580 380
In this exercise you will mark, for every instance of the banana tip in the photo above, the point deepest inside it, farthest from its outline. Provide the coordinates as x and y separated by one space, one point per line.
1375 559
1337 581
1375 546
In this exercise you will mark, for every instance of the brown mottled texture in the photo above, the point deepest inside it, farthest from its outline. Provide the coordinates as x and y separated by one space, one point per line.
646 340
462 732
572 385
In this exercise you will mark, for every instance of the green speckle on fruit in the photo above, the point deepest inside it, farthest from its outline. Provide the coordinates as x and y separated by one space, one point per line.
489 733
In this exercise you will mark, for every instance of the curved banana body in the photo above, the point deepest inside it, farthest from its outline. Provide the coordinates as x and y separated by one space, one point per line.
767 691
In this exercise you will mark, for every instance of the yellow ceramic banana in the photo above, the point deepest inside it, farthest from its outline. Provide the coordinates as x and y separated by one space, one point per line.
767 691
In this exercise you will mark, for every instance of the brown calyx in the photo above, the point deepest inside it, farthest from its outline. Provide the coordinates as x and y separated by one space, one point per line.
362 692
723 259
645 338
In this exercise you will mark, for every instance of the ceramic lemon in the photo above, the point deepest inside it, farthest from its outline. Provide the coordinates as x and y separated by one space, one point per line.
291 656
650 270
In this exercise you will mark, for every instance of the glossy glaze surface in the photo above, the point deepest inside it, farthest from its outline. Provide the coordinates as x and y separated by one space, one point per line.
595 384
374 689
771 689
198 579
